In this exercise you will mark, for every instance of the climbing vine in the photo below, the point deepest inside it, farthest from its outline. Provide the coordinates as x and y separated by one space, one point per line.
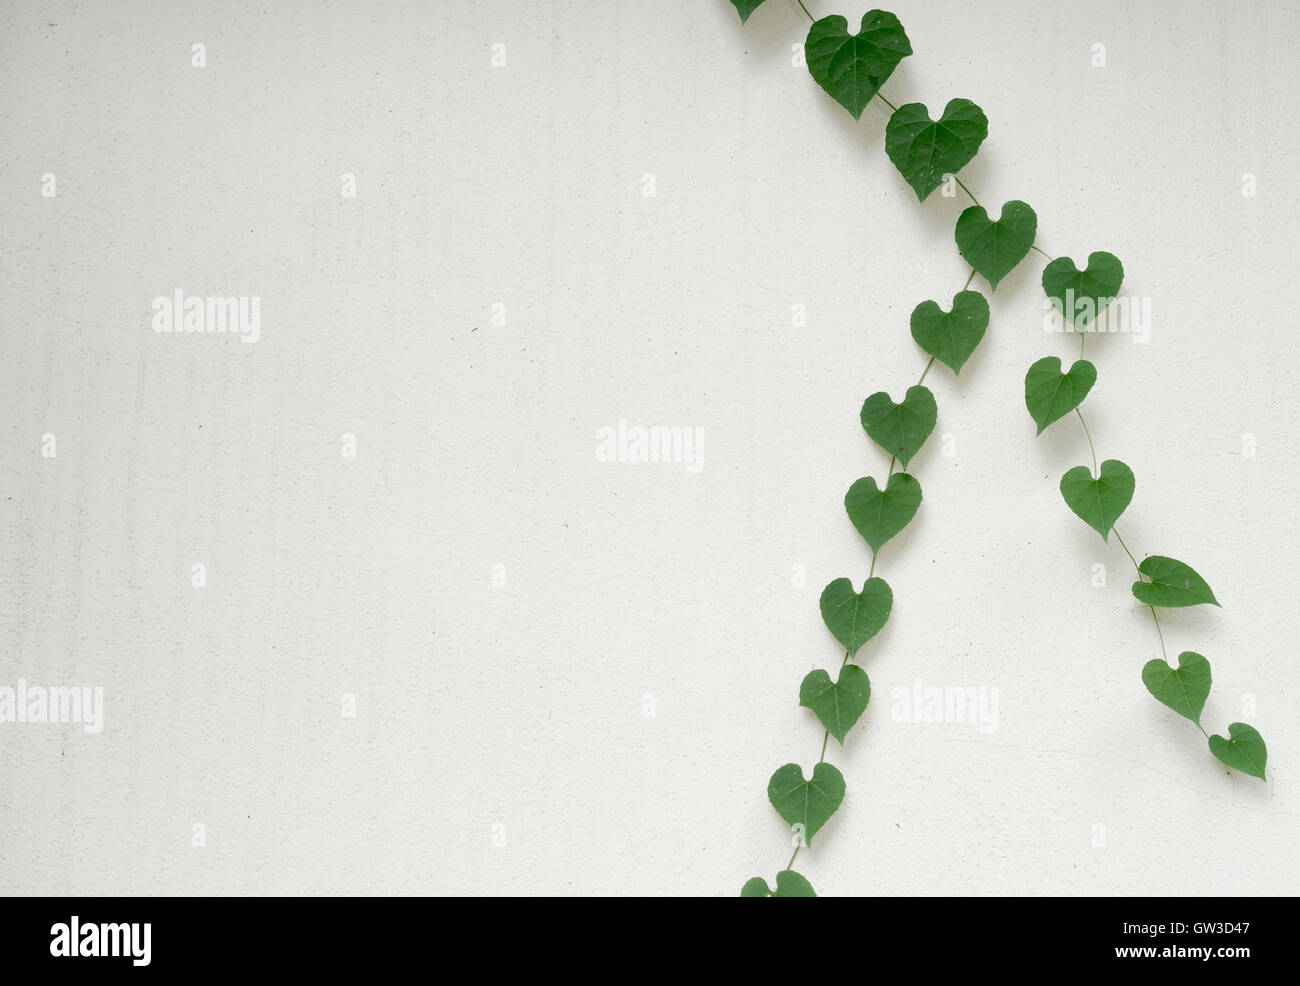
852 68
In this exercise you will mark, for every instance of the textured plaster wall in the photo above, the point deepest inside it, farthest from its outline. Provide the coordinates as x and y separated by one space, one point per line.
573 675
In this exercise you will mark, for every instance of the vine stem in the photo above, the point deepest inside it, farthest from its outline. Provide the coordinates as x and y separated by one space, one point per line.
966 190
889 473
1115 531
886 101
826 738
1033 246
805 10
1154 616
969 279
1096 470
1165 654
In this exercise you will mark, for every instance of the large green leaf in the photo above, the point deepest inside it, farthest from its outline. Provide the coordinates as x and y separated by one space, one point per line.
925 150
1100 501
1082 295
1244 750
853 67
1185 688
1050 394
837 704
900 429
1172 584
746 7
951 337
853 618
788 884
808 804
880 514
995 248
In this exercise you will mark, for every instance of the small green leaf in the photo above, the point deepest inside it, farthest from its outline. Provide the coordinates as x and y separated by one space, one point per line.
1184 689
925 150
788 884
837 704
1050 394
745 8
1099 502
1243 751
995 248
1172 584
853 67
951 337
792 884
855 617
900 429
880 514
1082 295
806 805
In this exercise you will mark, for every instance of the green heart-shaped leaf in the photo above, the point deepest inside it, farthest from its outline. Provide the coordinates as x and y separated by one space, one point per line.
808 804
1050 394
1100 501
1172 584
745 8
900 429
853 67
994 248
788 884
951 337
880 514
925 150
1082 295
853 618
837 704
1244 751
1184 689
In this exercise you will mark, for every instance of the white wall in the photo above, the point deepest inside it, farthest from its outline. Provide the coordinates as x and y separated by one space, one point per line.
522 705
